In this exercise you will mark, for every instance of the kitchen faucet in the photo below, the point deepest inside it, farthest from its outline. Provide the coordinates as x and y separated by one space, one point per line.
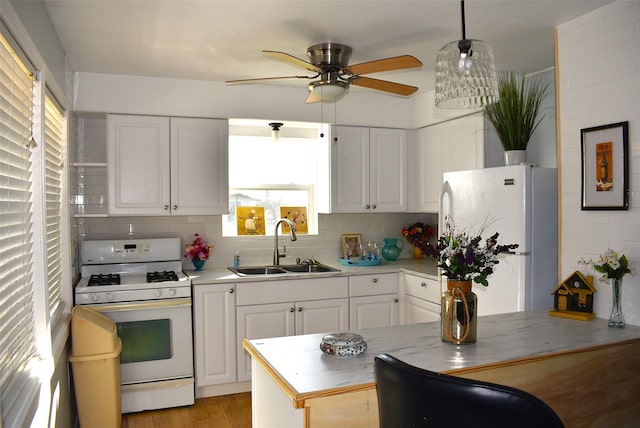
276 252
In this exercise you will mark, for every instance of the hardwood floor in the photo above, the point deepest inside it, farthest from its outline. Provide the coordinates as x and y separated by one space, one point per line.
227 411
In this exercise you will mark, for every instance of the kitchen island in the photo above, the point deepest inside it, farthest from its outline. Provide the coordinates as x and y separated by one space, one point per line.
587 372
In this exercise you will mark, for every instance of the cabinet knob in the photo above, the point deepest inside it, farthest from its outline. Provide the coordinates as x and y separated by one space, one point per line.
300 309
373 206
166 207
291 309
231 291
374 280
423 284
395 300
367 206
175 207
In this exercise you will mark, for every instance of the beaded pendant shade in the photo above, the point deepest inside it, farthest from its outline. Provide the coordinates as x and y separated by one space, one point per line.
465 73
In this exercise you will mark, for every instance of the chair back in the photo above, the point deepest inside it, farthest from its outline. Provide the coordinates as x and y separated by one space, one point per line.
412 397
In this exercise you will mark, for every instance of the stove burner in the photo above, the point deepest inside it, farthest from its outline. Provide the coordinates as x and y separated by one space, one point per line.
104 279
161 276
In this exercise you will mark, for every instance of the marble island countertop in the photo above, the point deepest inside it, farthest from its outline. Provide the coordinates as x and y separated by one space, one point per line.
424 267
297 363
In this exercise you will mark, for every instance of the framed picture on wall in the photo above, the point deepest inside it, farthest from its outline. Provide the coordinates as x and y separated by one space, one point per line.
605 167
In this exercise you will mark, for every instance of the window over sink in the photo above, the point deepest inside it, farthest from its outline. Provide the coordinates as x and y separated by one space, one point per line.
275 173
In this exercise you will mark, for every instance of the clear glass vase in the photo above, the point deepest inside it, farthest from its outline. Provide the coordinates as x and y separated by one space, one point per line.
458 313
616 319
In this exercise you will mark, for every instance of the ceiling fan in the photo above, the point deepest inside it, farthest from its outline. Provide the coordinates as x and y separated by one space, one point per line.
330 63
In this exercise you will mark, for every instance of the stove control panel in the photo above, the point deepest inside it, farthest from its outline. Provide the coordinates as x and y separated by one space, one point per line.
136 247
130 250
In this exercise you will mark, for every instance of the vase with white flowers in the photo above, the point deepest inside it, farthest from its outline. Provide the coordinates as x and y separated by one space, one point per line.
613 268
463 259
198 251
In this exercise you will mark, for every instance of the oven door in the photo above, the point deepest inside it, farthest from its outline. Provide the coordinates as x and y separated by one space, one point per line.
157 340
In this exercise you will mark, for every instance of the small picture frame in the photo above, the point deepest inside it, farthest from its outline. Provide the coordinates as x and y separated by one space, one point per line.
350 244
605 167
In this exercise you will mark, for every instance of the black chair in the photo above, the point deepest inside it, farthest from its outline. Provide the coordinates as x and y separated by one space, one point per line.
412 397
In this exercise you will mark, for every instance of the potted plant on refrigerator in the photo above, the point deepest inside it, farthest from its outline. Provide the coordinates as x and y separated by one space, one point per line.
516 114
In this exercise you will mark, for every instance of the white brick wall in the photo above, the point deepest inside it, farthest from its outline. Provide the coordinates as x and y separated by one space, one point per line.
599 69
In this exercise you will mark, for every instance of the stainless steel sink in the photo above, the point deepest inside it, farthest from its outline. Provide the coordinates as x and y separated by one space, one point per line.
282 269
257 270
308 268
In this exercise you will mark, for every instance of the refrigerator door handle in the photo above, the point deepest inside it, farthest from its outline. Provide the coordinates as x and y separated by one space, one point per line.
519 253
444 190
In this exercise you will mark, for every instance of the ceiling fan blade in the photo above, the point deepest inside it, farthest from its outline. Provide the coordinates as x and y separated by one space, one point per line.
313 98
293 60
266 79
386 64
384 85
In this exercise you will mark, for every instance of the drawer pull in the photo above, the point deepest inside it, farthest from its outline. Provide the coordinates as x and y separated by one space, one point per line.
395 300
423 284
374 280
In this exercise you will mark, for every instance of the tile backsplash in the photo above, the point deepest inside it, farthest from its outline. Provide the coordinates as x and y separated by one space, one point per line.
324 247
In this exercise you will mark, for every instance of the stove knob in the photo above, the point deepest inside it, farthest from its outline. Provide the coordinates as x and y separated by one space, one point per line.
158 292
172 292
110 296
95 297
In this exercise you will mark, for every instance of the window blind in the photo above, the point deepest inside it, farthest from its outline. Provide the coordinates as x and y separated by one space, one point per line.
53 139
17 344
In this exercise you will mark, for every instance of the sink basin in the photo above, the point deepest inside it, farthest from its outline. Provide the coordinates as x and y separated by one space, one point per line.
310 268
257 270
281 270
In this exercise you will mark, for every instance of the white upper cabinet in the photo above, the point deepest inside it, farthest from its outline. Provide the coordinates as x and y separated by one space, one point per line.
199 166
368 170
162 166
454 145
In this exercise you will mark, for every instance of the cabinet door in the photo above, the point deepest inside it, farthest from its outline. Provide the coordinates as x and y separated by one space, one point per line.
388 170
427 168
373 311
322 316
199 165
138 164
214 328
261 321
349 169
418 310
465 149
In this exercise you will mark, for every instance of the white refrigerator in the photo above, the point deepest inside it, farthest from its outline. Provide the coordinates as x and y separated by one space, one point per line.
520 202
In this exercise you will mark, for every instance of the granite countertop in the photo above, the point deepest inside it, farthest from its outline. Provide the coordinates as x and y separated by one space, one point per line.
300 365
424 267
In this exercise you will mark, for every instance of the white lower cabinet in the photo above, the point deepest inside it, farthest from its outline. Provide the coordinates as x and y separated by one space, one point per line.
422 299
374 301
214 327
374 311
315 305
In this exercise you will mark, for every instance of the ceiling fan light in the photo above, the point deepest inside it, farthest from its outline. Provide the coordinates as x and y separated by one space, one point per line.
330 90
465 79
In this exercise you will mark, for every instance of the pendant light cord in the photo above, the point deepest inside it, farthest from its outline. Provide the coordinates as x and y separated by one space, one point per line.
464 30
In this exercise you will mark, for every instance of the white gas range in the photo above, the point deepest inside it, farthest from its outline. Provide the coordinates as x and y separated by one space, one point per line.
139 284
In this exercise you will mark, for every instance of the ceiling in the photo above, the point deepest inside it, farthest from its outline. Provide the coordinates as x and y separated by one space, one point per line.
218 40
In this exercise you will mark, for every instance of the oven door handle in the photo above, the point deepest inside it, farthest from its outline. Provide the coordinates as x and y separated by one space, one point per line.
132 306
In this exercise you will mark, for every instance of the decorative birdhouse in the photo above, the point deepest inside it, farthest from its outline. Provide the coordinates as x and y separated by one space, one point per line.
574 298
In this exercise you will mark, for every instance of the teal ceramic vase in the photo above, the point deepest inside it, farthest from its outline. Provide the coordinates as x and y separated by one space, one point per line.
391 250
198 264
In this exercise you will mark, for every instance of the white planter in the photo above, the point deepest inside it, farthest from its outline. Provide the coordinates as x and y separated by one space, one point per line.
515 157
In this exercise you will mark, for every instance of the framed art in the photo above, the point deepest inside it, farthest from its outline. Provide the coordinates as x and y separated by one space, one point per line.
250 220
605 167
298 216
350 244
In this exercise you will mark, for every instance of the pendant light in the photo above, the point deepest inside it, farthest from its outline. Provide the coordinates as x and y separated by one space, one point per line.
465 73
